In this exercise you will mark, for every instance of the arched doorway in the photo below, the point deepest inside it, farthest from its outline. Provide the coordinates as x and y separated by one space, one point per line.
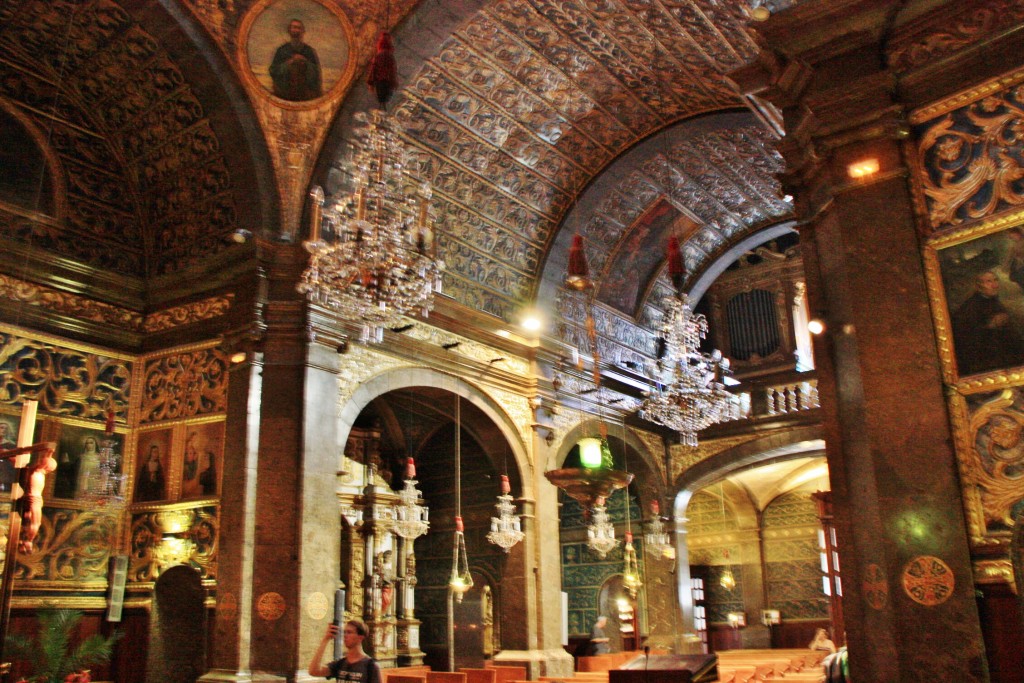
177 647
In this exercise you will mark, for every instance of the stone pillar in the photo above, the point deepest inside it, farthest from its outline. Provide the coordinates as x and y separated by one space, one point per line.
893 470
230 650
320 523
278 504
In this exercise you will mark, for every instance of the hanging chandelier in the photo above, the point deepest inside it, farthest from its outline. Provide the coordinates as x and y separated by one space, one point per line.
631 569
656 536
506 528
601 532
689 394
410 517
381 263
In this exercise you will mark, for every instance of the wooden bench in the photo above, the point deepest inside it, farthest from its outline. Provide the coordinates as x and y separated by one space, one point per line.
506 674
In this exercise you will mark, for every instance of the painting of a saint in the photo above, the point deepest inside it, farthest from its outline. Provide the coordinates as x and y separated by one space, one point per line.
983 281
78 459
151 471
312 58
204 444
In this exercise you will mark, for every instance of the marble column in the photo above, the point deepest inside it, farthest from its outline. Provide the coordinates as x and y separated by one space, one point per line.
892 467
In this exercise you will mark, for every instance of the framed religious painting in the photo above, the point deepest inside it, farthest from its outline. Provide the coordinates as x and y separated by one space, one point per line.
80 452
976 282
152 465
297 51
201 462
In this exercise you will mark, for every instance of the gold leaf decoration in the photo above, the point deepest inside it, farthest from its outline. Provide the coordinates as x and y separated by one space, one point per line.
185 385
972 159
64 303
73 546
151 553
64 381
177 316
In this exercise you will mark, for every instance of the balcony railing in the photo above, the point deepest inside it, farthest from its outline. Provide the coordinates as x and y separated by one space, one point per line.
774 396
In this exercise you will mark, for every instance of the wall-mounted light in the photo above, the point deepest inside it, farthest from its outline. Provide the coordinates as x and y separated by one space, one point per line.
238 357
863 168
532 322
816 326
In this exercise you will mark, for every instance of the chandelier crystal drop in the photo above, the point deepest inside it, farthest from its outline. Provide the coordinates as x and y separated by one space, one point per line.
689 394
506 528
601 532
410 517
381 262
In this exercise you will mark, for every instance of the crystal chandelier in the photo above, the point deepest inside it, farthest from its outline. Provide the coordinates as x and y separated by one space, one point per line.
656 537
631 570
689 394
381 263
506 528
601 532
410 517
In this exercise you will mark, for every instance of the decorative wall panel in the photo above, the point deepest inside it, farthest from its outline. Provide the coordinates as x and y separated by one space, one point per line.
184 385
64 381
73 549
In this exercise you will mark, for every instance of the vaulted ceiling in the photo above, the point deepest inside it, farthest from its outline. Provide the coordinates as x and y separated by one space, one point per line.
533 119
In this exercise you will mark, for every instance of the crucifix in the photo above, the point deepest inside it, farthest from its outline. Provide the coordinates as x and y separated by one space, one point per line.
32 462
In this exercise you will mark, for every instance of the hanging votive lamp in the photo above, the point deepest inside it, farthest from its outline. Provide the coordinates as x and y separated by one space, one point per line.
728 581
460 580
630 570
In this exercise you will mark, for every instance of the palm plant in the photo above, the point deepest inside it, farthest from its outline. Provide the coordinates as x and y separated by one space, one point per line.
50 654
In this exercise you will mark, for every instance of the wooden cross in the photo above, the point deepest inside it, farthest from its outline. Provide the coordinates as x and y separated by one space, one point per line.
32 462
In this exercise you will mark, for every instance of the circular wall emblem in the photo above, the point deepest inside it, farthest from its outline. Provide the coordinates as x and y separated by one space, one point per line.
876 590
270 606
928 580
317 606
227 604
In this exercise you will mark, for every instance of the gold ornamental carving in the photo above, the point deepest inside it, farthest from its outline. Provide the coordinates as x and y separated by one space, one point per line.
65 303
997 456
927 580
184 385
994 571
970 159
65 381
73 546
175 535
176 316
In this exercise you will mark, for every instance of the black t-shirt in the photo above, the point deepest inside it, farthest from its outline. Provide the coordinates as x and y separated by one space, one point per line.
363 671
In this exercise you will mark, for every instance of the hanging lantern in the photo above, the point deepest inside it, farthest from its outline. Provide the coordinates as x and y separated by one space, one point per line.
506 528
410 517
461 580
630 570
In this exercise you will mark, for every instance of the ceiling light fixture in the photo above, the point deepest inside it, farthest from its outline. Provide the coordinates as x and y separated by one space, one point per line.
381 263
689 394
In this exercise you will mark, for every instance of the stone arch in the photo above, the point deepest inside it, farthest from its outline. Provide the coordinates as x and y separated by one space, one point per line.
405 378
519 584
177 636
793 443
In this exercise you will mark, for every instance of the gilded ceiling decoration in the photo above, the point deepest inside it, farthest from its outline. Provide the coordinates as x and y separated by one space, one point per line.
149 186
528 100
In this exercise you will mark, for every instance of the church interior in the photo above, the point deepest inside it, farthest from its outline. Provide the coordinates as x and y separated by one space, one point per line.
317 309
